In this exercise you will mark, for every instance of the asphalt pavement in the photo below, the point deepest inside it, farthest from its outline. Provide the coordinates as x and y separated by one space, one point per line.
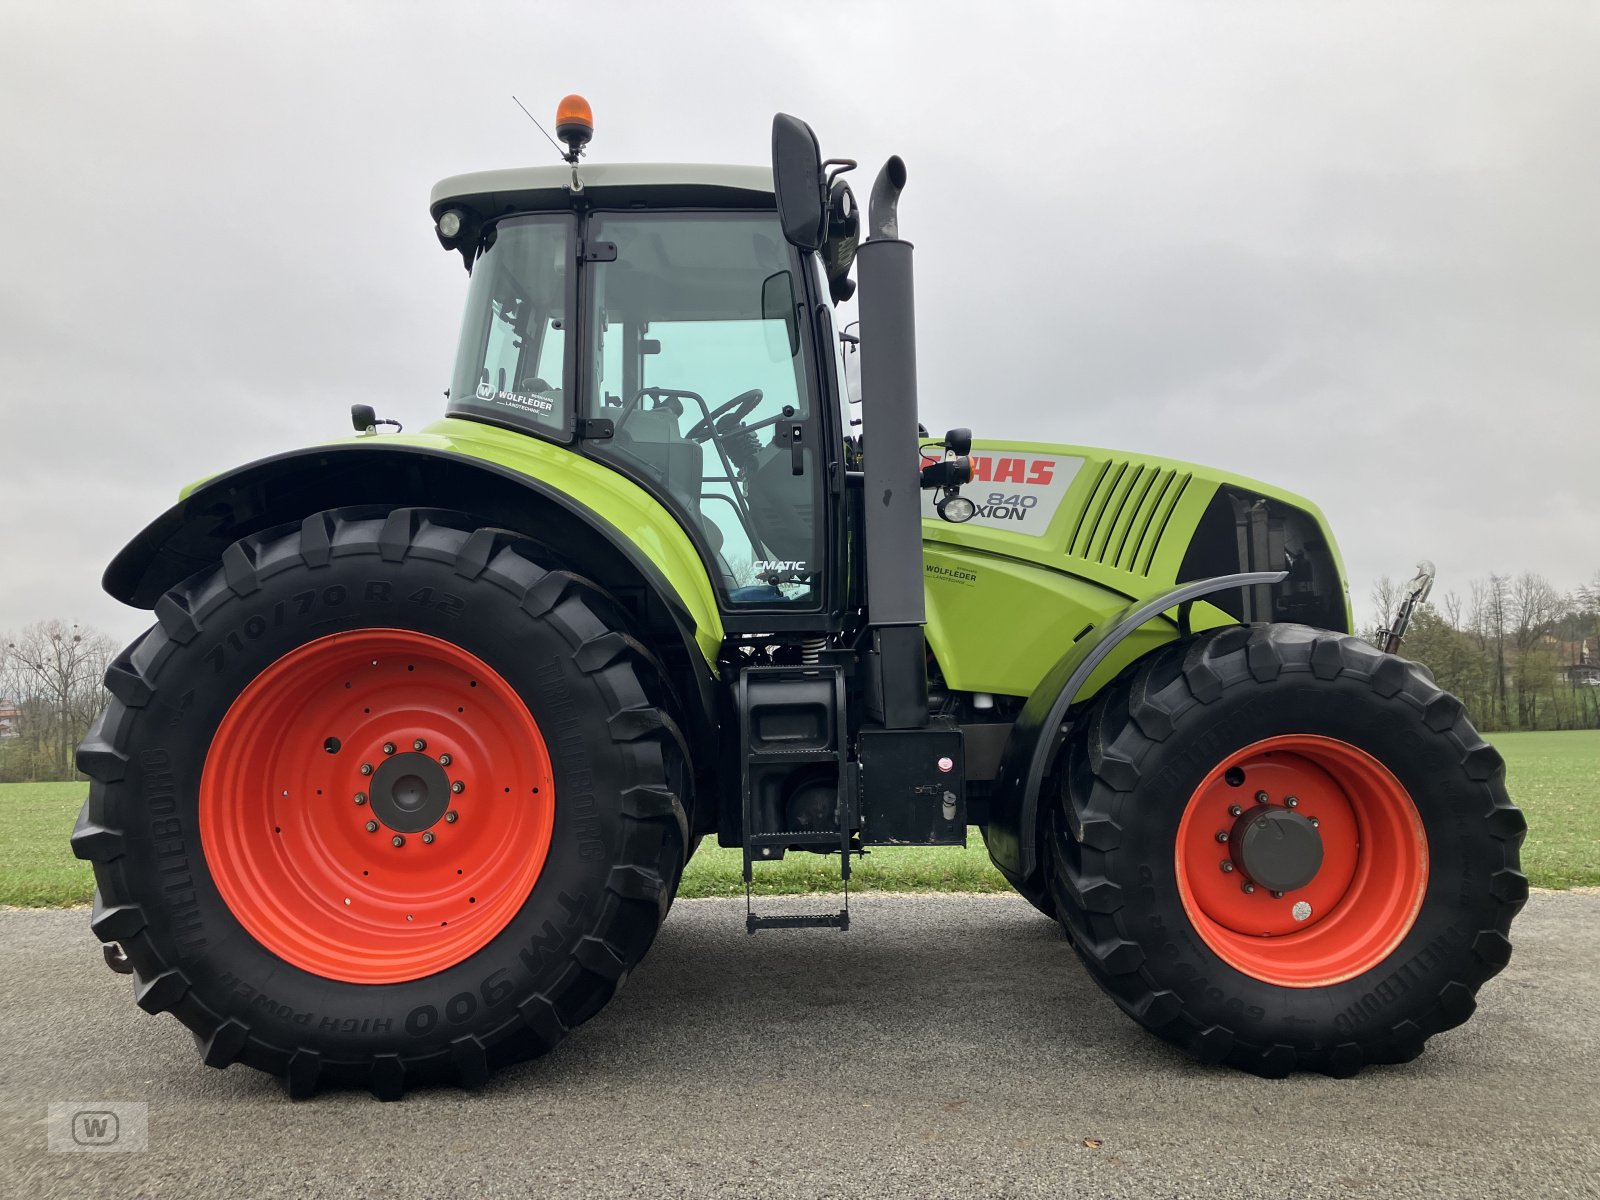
945 1046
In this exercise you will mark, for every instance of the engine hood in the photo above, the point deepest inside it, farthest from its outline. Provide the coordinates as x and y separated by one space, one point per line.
1127 521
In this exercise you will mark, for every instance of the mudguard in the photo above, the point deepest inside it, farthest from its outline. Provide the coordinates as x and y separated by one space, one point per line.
1013 826
434 471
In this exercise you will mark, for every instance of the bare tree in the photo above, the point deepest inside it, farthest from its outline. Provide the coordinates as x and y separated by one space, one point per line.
1386 596
1450 609
55 670
1588 602
1534 607
1491 602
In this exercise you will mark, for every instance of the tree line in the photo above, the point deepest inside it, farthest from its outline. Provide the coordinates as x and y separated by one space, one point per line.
1520 653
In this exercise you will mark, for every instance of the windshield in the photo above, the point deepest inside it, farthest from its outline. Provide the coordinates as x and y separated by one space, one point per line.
510 367
697 360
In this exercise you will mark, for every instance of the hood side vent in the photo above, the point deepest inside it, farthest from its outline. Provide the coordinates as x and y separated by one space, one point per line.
1127 514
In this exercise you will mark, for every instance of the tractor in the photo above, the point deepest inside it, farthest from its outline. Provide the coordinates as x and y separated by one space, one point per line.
399 786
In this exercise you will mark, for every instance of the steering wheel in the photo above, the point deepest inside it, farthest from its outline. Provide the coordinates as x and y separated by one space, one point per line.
740 407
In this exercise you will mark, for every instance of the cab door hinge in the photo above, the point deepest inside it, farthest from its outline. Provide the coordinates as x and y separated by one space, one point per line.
597 428
598 252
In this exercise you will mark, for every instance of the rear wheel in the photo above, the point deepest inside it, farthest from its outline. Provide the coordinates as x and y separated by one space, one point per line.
1279 848
383 800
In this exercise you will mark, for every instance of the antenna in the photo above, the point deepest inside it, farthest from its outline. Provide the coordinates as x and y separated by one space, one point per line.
540 128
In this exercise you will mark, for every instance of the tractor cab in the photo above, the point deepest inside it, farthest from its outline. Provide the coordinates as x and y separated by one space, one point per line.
656 319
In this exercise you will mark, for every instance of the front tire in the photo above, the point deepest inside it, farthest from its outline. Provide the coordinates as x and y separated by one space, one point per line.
489 713
1279 848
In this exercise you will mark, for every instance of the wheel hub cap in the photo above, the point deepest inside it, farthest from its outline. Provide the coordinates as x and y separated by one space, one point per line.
410 793
1276 848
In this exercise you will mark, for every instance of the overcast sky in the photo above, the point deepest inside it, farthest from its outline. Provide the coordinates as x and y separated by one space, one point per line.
1351 248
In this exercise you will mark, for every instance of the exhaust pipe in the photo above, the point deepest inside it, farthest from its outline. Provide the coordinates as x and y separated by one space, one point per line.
883 213
897 685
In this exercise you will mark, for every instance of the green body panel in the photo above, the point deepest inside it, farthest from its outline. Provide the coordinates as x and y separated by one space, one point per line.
998 625
626 506
1005 604
623 504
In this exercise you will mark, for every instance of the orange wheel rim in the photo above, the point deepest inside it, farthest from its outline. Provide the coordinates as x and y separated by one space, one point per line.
1343 916
376 806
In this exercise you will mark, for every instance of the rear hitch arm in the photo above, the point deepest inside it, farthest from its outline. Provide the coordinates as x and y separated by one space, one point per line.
1416 593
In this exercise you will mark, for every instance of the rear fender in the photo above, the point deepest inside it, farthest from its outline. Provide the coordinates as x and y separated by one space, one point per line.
666 586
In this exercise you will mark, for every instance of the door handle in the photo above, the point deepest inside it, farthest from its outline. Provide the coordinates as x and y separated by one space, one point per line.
797 457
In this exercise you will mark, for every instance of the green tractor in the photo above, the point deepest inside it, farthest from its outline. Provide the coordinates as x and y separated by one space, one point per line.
399 786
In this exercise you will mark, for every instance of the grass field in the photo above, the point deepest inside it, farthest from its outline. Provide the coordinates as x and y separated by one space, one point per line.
37 869
1555 777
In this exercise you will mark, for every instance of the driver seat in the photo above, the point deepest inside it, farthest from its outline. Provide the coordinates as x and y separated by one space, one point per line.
650 436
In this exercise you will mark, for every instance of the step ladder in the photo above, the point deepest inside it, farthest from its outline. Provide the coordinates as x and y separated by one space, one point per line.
789 718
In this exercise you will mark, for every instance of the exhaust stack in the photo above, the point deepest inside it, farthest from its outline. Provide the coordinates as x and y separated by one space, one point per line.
897 687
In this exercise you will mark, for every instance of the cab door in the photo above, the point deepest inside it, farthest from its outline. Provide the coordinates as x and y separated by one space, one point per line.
698 355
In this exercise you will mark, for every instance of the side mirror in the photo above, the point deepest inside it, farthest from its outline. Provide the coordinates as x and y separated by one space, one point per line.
851 344
777 304
797 181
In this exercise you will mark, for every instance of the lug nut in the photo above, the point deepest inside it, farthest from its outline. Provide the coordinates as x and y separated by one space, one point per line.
397 840
1292 801
419 744
366 768
1227 867
361 797
1316 824
458 787
372 827
1222 835
427 838
1235 811
1262 798
1249 888
450 817
445 760
388 747
1277 895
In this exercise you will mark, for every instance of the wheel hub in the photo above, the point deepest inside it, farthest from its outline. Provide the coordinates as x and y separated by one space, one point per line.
1276 848
410 793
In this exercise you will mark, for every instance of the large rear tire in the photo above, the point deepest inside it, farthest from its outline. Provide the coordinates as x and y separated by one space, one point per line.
383 799
1279 848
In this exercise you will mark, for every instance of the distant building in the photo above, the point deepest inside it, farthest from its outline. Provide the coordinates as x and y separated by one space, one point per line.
1584 670
10 718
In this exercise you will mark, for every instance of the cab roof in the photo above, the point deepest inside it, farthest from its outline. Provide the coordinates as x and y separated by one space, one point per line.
523 189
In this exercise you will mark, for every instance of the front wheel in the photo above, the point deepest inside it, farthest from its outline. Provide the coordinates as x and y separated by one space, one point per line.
383 799
1281 849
